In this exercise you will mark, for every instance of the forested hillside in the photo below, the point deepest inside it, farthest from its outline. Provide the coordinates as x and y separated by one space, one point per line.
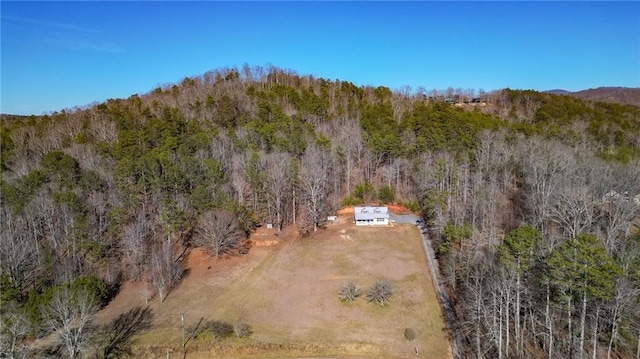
621 95
530 198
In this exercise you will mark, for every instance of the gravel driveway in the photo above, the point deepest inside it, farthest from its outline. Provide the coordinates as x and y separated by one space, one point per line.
443 297
403 218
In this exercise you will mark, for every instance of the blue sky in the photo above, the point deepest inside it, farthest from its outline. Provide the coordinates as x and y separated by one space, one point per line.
58 55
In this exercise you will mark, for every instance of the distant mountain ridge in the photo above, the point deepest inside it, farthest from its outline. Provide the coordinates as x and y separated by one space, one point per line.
621 95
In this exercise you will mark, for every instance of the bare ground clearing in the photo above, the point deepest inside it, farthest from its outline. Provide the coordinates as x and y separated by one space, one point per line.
286 289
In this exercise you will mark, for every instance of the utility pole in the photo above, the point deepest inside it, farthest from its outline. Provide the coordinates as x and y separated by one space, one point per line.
182 327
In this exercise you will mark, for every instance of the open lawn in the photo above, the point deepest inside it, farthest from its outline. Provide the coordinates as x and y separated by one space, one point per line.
286 289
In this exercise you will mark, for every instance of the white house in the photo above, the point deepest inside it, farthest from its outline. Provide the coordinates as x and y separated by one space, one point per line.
371 216
613 194
617 196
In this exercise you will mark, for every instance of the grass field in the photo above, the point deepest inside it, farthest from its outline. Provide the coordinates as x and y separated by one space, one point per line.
288 294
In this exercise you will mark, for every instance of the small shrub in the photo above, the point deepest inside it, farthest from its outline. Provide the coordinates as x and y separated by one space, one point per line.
350 201
365 192
409 334
412 206
387 194
380 292
220 329
349 292
242 330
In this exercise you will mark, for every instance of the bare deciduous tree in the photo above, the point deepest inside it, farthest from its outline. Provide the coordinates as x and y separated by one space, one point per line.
17 258
276 183
70 315
237 178
218 232
573 209
166 271
380 292
314 182
135 238
350 138
616 220
14 328
544 164
349 292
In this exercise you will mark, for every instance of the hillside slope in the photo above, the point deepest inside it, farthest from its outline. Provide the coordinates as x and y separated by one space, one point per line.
124 190
620 95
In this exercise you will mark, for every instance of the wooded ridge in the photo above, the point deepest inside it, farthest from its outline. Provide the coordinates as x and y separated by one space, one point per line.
531 199
620 95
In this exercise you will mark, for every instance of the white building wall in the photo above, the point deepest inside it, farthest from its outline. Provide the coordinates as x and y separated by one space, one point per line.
371 216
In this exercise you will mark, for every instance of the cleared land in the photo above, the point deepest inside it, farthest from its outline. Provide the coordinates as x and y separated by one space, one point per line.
286 288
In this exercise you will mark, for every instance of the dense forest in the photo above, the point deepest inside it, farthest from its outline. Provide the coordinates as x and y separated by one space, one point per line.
530 198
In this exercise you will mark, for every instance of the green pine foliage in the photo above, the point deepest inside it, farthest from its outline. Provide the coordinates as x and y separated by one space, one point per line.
94 287
6 146
454 236
387 194
518 247
581 267
96 191
18 194
365 192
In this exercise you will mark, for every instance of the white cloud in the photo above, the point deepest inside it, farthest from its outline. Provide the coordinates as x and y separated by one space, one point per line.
48 23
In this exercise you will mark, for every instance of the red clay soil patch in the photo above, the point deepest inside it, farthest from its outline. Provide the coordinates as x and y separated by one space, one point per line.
201 263
346 211
131 294
397 209
198 265
266 237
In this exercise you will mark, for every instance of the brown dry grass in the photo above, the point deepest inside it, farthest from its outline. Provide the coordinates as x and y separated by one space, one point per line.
287 292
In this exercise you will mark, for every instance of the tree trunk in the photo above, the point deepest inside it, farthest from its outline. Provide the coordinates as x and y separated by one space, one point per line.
279 221
614 329
349 172
547 318
315 211
569 317
500 334
532 321
595 334
477 329
516 316
507 329
583 320
255 201
638 349
294 205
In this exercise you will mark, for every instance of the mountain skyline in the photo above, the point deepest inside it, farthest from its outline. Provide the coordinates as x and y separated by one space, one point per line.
621 95
58 55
